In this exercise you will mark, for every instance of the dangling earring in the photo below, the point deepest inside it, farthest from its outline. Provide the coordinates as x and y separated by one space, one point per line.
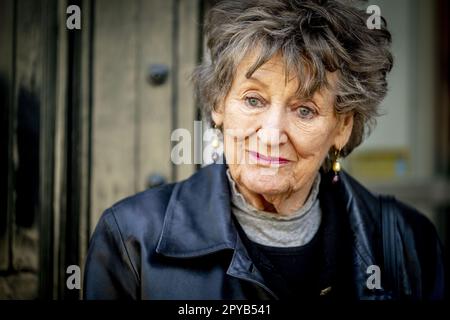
336 166
215 143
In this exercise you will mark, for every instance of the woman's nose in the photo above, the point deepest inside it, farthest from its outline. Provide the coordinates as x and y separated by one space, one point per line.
272 131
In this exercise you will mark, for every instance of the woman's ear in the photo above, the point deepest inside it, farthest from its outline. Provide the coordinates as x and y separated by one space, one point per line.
217 116
345 129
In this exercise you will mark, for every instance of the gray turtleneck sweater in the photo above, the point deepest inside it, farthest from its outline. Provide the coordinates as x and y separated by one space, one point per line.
272 229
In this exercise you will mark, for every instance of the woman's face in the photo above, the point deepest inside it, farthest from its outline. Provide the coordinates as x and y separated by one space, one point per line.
274 140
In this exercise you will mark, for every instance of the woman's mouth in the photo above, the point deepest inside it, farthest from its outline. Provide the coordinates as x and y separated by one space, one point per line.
267 160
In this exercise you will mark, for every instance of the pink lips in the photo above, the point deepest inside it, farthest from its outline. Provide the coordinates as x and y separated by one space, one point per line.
268 160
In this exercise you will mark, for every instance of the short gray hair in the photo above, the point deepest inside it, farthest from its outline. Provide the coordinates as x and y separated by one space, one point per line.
314 37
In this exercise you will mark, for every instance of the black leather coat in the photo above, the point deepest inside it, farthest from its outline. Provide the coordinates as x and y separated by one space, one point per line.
179 241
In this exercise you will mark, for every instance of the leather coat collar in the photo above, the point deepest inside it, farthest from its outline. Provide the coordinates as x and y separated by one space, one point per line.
198 222
198 217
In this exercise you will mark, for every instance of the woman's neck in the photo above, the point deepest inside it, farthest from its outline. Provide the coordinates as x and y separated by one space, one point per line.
283 204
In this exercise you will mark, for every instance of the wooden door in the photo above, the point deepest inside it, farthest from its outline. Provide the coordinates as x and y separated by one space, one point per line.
83 125
132 117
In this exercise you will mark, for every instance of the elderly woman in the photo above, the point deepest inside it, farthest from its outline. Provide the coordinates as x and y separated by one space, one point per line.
293 86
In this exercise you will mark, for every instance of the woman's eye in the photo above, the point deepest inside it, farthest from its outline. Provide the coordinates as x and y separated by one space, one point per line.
305 112
254 102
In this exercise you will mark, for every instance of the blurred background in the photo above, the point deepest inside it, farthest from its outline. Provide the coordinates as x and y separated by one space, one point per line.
87 115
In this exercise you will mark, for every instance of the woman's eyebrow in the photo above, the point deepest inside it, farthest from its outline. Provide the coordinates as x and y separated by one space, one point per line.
253 78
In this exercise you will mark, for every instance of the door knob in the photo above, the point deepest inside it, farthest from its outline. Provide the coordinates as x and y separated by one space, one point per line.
157 74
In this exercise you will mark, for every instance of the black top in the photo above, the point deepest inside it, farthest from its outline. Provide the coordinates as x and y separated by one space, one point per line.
292 271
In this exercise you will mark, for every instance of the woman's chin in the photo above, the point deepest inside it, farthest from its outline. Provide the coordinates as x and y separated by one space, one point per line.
263 183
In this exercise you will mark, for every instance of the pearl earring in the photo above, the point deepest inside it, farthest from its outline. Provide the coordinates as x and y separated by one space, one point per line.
336 166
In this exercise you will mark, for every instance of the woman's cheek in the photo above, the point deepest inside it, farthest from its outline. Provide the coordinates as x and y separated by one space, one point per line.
231 152
307 144
310 137
239 116
235 150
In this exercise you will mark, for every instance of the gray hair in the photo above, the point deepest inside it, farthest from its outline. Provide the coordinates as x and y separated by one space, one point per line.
314 37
